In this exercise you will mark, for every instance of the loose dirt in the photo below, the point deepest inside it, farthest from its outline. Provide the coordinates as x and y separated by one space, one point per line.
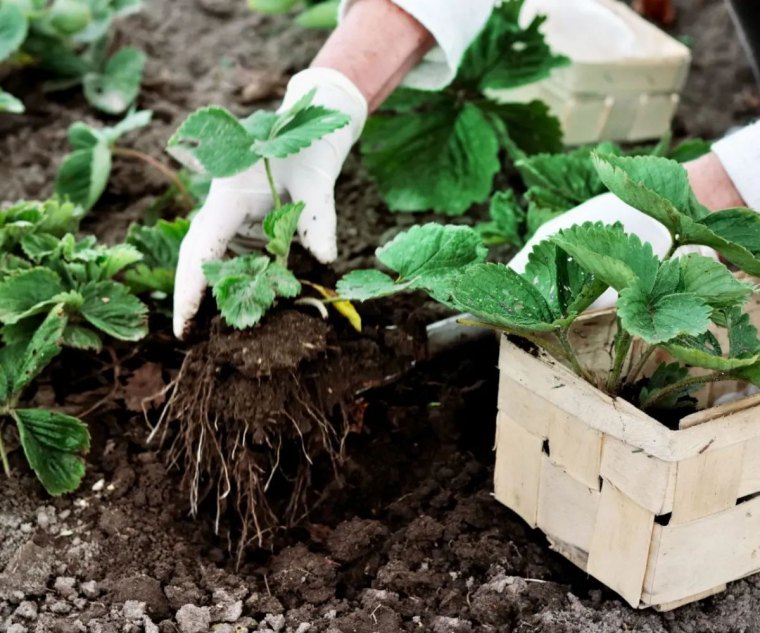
408 537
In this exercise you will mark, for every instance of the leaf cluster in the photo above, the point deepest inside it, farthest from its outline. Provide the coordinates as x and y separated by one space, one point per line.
440 150
679 305
70 39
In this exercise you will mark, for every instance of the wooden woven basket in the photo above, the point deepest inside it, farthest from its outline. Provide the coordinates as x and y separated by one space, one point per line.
663 517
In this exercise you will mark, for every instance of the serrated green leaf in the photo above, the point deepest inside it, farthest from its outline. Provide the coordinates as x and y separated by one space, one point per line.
430 256
505 55
249 287
567 288
9 103
44 345
83 175
742 335
80 337
499 296
656 186
26 292
443 161
665 375
363 285
260 123
53 444
213 140
13 29
110 308
306 126
280 227
114 259
690 149
115 88
712 282
618 259
36 246
530 126
660 318
704 351
159 245
507 220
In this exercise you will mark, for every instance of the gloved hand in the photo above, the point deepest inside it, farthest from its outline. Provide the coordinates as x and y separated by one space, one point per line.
235 205
608 208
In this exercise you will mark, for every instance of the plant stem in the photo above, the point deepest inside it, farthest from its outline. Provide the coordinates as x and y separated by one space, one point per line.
554 350
622 347
673 248
270 178
4 456
166 171
564 338
686 382
639 366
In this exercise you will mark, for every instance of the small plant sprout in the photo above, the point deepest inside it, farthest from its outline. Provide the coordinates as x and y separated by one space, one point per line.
70 39
674 304
214 141
84 173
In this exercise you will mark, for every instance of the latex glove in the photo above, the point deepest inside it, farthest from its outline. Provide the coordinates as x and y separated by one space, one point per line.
608 208
236 205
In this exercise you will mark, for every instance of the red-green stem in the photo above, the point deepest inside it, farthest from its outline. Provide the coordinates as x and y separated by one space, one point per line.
166 171
564 338
686 382
622 348
4 456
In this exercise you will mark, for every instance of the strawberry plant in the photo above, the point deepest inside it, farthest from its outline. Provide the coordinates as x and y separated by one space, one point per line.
441 150
674 304
215 141
556 183
314 14
83 174
70 39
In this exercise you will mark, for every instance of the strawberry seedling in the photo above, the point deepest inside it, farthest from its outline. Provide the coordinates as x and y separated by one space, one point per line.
672 304
214 141
440 151
70 39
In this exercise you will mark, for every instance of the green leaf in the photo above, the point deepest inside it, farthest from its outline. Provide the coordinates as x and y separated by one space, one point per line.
505 55
320 16
499 296
134 120
430 256
302 129
110 308
618 259
260 123
246 287
9 103
704 351
443 161
83 136
663 317
83 175
272 6
80 337
213 140
53 444
27 293
665 375
280 226
567 288
114 259
115 88
742 335
655 186
530 126
13 29
712 282
159 245
690 149
507 220
362 285
44 345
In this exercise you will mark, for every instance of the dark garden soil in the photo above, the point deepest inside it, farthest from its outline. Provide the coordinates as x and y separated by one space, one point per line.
406 536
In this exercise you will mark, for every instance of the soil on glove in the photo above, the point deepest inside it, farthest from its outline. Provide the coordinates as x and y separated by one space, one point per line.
408 536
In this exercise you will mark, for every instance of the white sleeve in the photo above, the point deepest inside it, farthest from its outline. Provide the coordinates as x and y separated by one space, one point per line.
453 23
740 155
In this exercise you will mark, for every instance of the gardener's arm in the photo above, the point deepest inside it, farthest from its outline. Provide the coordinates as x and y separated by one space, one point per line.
377 45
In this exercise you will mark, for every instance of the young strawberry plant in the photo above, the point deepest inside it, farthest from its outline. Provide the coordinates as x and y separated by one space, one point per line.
84 173
70 39
680 305
314 14
214 140
441 150
556 183
52 442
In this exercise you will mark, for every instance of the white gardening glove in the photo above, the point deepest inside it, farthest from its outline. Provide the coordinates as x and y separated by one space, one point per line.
608 208
237 204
